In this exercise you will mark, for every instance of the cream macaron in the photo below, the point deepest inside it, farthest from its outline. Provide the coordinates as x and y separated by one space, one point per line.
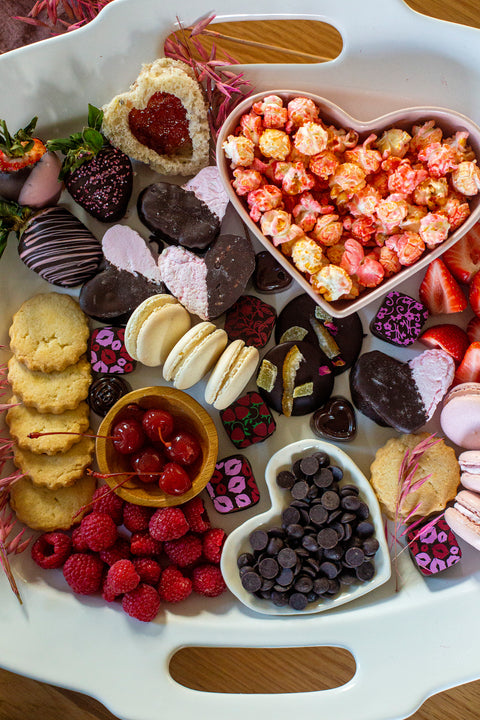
154 327
231 374
194 355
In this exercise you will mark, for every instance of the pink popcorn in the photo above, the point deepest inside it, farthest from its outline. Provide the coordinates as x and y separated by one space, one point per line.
324 164
391 211
368 159
296 179
394 142
466 178
388 259
246 180
462 149
348 178
456 210
341 140
370 272
311 139
301 110
423 135
265 198
274 144
409 246
362 228
352 256
260 106
306 211
440 159
307 256
274 116
252 127
327 230
364 202
434 229
431 192
288 238
239 149
275 223
404 178
332 282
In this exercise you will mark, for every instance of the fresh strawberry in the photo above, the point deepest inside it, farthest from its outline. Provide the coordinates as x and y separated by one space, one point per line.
469 368
98 176
439 290
474 294
473 329
448 337
463 258
28 172
20 150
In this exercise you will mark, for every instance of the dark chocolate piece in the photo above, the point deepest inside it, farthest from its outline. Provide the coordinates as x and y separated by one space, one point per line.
248 420
105 391
433 548
314 370
335 420
399 319
60 248
232 486
269 276
346 334
383 389
112 295
250 319
230 262
177 216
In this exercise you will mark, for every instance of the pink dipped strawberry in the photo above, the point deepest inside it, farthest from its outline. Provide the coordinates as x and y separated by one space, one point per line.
448 337
463 258
439 290
28 171
98 176
469 368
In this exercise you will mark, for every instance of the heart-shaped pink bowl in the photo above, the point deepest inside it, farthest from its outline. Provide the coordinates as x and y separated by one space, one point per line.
449 121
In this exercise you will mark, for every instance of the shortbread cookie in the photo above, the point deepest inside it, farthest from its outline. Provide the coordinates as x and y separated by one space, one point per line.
42 509
49 332
55 471
439 464
23 420
52 392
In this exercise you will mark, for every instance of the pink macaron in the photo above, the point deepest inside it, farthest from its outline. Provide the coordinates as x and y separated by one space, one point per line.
464 517
469 462
460 416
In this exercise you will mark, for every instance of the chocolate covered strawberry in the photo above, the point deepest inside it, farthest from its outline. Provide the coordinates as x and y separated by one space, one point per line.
52 242
28 171
98 176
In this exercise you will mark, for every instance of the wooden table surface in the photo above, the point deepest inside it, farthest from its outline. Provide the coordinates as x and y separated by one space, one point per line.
244 670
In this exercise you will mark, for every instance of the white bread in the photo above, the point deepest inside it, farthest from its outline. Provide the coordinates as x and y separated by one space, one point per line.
168 76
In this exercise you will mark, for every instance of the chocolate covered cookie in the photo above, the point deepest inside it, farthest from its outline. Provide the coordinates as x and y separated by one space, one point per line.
269 276
295 378
177 216
339 338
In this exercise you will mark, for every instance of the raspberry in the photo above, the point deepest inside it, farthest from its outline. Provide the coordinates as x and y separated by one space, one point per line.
141 543
120 550
78 540
208 580
148 569
51 549
99 531
184 551
122 577
136 517
212 542
173 587
106 501
196 515
168 524
83 572
143 603
107 593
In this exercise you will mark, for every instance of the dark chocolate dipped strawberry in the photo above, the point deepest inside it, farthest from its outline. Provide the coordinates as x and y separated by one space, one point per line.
98 176
52 242
28 171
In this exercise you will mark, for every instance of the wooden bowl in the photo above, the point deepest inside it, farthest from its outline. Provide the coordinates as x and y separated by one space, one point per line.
188 415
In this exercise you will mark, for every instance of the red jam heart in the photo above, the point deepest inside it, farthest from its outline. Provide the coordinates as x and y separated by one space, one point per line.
162 126
335 420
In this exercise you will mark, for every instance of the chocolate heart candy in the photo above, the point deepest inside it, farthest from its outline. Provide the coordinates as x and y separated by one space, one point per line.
335 420
269 276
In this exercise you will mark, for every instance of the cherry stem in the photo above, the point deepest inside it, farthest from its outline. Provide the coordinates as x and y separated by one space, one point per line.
108 490
35 435
167 443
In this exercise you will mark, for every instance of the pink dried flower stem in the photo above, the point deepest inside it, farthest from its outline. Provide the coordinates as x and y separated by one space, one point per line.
13 546
223 88
45 13
407 485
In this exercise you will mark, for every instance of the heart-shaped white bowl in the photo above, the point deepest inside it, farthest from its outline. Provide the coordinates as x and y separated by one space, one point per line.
238 540
448 120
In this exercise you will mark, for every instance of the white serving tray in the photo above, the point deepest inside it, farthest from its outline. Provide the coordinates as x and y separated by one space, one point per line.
407 645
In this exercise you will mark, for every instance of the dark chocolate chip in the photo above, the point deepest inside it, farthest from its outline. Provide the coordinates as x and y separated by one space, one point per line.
354 557
309 543
285 479
309 465
348 490
245 559
327 538
258 540
287 558
275 544
351 502
335 553
330 569
337 472
298 601
279 598
268 568
251 581
321 585
303 584
300 490
294 531
285 577
366 571
363 511
330 500
365 529
370 546
318 514
324 478
290 515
